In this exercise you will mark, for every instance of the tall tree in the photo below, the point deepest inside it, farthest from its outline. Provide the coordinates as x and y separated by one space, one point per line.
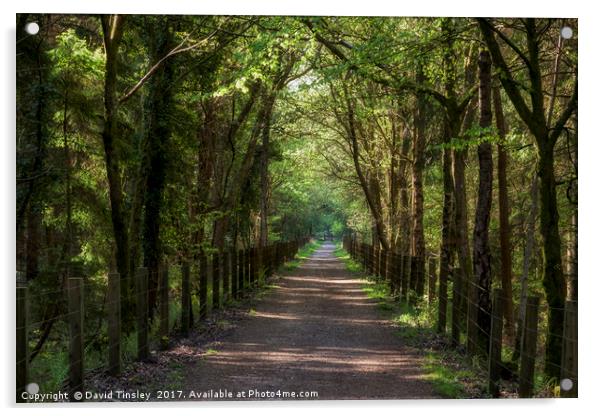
158 107
32 113
418 161
112 28
546 136
504 213
481 251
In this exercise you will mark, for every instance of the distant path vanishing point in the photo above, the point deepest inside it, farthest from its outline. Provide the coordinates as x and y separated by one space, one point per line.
317 331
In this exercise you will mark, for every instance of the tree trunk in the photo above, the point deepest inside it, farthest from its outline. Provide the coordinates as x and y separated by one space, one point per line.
265 184
135 224
524 278
445 256
553 282
461 207
504 216
32 114
481 250
366 187
572 274
32 250
394 184
546 135
231 198
112 26
418 245
572 259
452 128
206 136
405 220
158 131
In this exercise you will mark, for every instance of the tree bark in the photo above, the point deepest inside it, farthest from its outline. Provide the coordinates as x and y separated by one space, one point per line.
462 239
526 266
370 199
112 26
418 245
206 136
32 136
546 135
504 216
158 132
553 282
231 198
481 250
265 180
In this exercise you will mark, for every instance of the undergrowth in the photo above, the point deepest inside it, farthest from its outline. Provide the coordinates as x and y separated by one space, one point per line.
50 368
451 373
303 254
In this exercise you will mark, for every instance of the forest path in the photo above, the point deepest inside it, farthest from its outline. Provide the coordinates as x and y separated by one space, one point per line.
316 331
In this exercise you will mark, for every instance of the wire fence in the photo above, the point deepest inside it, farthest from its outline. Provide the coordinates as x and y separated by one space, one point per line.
183 293
472 316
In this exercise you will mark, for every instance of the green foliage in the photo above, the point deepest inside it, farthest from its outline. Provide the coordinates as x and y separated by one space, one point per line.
303 254
472 138
215 123
446 381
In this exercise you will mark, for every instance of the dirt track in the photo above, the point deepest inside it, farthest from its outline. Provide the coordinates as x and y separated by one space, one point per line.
317 331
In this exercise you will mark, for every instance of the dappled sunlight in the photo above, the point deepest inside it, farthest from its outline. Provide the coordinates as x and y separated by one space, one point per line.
316 329
274 316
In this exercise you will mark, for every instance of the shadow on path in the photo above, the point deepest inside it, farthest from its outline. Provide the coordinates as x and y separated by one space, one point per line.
317 331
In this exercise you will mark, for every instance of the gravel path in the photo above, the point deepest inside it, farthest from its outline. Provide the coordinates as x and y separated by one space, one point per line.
317 331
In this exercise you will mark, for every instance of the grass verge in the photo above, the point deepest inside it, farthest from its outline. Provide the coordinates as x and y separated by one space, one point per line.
451 373
303 254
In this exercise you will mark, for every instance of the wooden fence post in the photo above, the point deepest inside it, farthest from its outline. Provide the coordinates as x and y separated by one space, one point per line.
432 280
235 277
405 277
365 257
260 265
215 282
185 298
142 312
245 266
253 266
203 286
398 271
528 348
472 310
277 255
241 275
75 295
266 262
163 280
402 270
442 306
457 290
22 337
408 275
420 278
495 342
568 372
226 277
383 264
114 323
412 280
389 271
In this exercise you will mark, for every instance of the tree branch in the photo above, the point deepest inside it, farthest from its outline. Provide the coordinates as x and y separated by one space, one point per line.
177 50
564 117
505 76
